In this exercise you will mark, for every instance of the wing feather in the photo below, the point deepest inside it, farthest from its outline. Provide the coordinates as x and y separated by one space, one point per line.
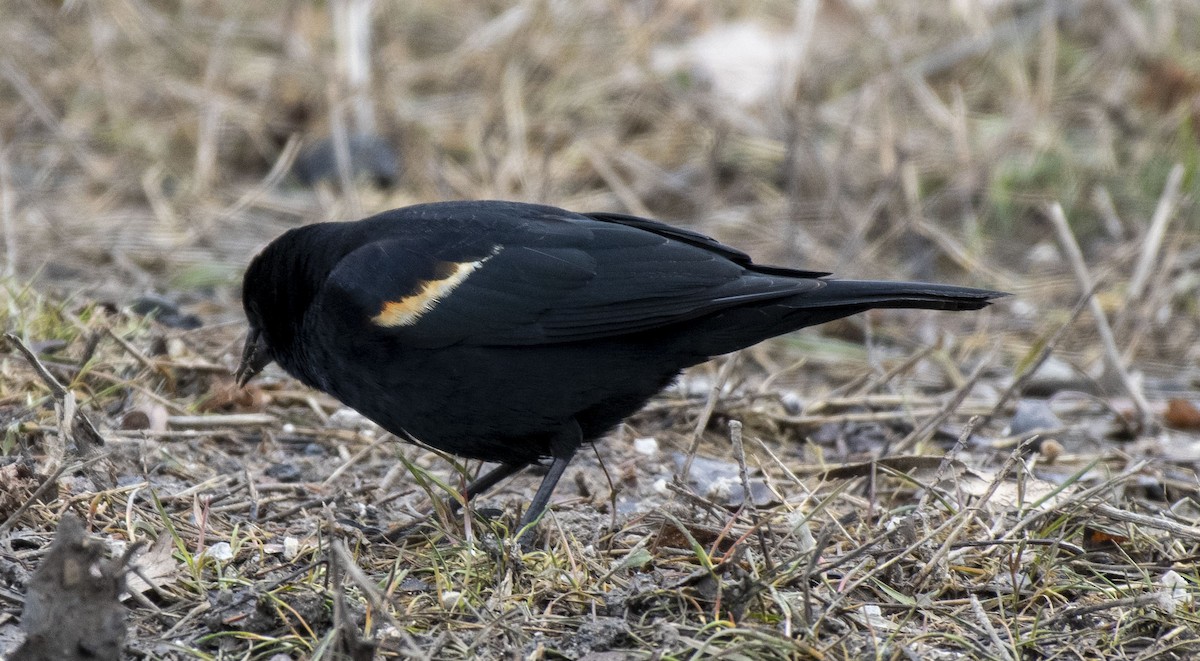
540 282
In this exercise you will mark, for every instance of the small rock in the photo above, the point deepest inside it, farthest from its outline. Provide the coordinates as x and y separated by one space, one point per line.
164 311
792 402
720 482
284 472
414 584
221 552
1033 415
1055 375
721 489
451 599
1178 590
291 548
693 386
349 419
371 156
647 446
1044 253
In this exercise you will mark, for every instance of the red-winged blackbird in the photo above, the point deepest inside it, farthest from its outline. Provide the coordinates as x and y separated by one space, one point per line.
512 332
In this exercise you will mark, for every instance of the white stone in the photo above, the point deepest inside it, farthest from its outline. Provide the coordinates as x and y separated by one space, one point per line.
646 446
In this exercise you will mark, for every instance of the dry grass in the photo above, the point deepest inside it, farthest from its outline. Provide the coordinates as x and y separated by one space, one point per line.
143 148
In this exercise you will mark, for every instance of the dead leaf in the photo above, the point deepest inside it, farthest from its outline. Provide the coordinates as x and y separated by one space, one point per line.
224 396
1008 494
156 564
1095 539
1182 414
146 415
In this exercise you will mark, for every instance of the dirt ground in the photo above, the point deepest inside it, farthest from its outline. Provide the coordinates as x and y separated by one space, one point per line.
1016 483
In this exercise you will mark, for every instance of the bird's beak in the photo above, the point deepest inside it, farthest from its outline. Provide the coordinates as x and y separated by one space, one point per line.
255 357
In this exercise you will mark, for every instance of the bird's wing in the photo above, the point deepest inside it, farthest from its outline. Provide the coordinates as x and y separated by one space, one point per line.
700 241
545 280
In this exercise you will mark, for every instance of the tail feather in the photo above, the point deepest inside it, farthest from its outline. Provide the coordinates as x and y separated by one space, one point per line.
868 294
743 326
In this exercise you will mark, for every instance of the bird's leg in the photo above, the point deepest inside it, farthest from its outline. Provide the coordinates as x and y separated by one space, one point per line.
478 486
562 449
488 480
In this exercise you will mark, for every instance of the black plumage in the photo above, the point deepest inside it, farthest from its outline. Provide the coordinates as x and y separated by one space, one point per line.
513 332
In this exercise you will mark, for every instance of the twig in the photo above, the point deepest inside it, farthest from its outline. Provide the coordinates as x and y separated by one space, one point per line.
951 406
739 452
964 516
1103 202
950 460
85 356
868 401
279 170
124 436
1154 237
963 256
56 388
137 355
811 421
42 489
352 30
1135 300
872 381
255 501
1018 29
1137 601
1078 501
309 503
714 394
208 132
1159 295
1112 356
1002 651
216 420
512 171
852 586
353 644
198 609
1158 523
340 134
1018 383
153 183
7 211
371 591
119 381
92 438
766 388
358 456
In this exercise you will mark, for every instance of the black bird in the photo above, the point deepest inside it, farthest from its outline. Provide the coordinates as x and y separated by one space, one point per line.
513 332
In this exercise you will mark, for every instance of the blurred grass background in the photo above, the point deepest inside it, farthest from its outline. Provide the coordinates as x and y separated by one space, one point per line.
869 138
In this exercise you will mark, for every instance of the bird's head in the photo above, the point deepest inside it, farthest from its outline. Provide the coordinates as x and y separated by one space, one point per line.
278 289
256 355
268 316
